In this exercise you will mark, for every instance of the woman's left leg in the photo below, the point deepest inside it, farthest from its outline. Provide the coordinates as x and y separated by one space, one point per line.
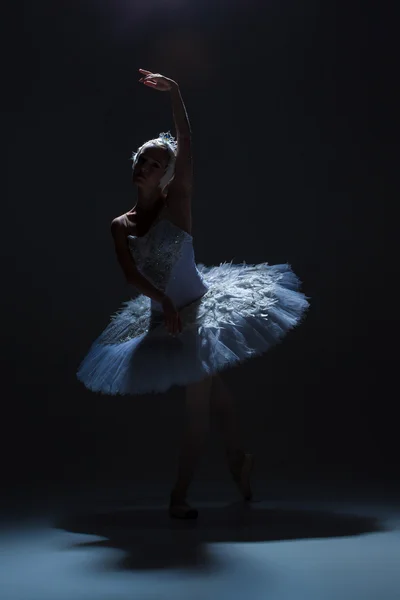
240 463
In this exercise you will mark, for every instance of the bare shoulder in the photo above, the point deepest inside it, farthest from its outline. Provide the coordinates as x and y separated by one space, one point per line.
122 225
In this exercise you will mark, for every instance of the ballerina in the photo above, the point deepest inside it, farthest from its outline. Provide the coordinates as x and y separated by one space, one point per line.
187 322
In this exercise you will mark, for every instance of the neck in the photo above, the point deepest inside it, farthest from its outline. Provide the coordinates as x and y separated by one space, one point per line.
148 200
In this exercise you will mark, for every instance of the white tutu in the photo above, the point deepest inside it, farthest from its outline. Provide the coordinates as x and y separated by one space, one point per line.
245 311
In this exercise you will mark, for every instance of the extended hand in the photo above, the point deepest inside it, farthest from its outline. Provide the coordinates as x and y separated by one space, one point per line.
157 81
172 318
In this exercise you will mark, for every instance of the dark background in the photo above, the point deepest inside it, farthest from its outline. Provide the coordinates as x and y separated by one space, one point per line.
293 109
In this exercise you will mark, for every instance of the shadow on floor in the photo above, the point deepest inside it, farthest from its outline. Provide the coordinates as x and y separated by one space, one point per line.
151 540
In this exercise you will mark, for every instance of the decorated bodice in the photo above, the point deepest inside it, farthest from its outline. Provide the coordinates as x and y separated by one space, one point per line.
165 256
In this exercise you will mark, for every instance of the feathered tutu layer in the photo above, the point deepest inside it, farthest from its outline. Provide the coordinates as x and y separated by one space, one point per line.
246 310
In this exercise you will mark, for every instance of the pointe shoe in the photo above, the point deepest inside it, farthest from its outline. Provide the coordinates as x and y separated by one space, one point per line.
241 476
179 509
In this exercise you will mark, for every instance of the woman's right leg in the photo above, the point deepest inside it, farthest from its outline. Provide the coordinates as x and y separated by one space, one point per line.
196 429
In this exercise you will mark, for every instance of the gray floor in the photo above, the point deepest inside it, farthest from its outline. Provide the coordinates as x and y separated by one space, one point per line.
324 544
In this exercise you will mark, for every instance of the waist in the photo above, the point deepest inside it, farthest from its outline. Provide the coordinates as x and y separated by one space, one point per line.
181 299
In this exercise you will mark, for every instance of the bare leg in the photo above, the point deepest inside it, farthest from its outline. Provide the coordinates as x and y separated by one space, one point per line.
227 419
197 425
239 462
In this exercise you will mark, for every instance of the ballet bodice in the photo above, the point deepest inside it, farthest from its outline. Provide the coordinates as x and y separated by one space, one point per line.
165 256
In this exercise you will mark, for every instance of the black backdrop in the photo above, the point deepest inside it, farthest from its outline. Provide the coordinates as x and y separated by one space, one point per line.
293 111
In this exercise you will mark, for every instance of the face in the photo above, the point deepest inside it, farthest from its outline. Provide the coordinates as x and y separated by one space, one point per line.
150 167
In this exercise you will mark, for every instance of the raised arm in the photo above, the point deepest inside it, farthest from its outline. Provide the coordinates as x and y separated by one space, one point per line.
180 188
184 163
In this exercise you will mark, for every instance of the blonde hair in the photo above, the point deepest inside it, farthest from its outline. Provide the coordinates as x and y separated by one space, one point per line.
167 142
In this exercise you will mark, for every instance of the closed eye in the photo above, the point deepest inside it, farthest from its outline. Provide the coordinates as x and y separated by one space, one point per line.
154 163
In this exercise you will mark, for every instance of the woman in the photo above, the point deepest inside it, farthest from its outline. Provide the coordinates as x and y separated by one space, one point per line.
188 322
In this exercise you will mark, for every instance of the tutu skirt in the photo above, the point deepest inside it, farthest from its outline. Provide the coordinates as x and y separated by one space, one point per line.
246 310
